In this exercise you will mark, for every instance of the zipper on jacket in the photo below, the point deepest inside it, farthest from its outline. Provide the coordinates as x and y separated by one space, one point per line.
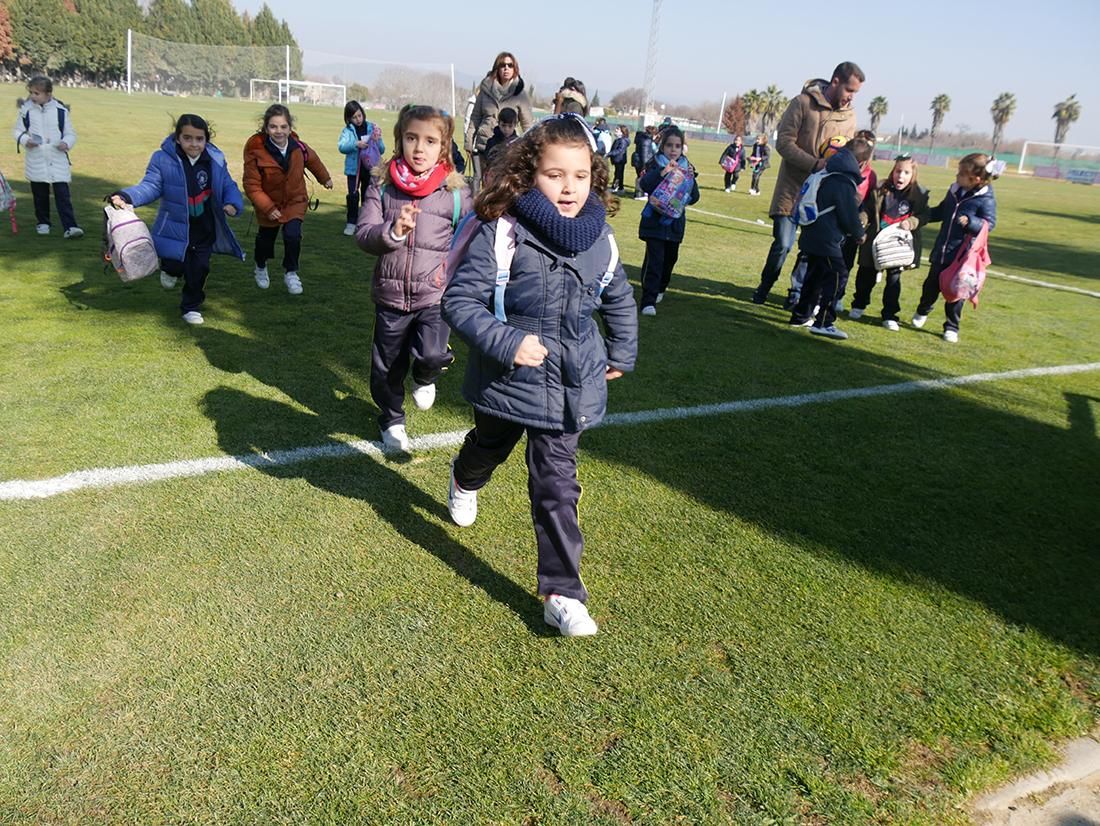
409 263
951 226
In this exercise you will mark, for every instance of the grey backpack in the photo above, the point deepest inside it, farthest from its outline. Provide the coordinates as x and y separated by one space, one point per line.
128 244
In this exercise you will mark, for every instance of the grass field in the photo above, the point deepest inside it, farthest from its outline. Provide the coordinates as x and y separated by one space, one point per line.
864 610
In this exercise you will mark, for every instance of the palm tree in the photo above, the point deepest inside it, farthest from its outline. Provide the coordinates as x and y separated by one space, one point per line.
1001 110
752 100
941 105
774 103
1065 113
877 109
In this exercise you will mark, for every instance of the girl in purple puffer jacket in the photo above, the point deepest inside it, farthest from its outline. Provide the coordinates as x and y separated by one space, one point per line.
407 220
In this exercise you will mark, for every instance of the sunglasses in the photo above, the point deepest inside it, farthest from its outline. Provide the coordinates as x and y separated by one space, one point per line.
573 116
508 65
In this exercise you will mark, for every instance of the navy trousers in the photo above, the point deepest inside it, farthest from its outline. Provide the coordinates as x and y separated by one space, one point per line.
930 293
357 192
194 268
551 484
660 258
40 193
420 337
292 244
825 275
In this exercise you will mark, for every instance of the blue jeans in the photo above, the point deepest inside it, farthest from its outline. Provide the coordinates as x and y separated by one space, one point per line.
784 231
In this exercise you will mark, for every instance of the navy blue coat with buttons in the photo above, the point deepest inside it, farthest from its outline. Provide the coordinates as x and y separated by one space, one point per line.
978 205
553 295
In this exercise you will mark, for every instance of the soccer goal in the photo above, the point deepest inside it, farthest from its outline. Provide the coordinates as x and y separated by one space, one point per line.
1059 160
383 84
297 91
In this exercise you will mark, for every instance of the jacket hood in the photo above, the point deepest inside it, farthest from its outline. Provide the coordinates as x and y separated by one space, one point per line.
815 88
845 163
573 94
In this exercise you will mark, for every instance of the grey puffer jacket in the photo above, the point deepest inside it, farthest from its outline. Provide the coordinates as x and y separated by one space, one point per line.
553 295
410 274
491 98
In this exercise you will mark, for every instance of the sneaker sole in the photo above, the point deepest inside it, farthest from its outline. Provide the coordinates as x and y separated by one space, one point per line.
549 619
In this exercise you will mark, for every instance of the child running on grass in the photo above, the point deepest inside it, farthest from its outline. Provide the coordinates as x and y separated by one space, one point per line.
904 202
361 141
408 221
538 362
968 205
189 176
44 130
275 163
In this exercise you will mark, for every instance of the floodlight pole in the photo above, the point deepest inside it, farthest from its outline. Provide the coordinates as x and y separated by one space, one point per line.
287 74
129 61
651 58
454 111
721 114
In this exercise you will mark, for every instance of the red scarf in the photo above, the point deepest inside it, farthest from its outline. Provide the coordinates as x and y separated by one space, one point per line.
416 185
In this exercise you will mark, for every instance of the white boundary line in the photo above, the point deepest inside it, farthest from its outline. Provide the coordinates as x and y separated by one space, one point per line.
1034 282
21 489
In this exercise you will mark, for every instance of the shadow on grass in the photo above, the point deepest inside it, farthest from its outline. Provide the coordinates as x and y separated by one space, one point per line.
1086 218
1047 256
246 424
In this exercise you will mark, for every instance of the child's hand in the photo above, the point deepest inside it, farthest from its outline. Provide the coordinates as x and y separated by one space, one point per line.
530 353
328 184
275 214
653 200
118 202
31 144
668 168
64 147
229 210
963 220
362 143
911 224
406 221
612 374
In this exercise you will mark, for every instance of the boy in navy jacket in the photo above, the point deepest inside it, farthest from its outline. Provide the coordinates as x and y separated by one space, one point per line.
822 241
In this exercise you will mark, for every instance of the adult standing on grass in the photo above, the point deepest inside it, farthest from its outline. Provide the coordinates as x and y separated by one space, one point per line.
823 109
502 87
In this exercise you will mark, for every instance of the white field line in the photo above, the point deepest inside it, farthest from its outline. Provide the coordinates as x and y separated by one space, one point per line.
1034 282
20 489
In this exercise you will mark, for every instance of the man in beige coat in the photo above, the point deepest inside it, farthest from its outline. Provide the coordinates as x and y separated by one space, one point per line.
822 110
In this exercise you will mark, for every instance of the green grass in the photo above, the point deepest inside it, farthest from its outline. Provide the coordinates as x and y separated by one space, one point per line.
820 614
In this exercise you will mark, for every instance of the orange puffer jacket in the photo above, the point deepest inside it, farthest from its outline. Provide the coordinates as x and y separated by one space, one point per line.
268 186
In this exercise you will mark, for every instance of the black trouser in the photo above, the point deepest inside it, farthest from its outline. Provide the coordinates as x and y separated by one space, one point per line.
637 180
40 192
660 258
398 337
731 177
194 268
931 291
824 276
756 179
617 183
866 278
292 244
551 484
356 195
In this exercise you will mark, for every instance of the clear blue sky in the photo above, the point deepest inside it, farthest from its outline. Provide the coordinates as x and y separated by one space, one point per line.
1041 52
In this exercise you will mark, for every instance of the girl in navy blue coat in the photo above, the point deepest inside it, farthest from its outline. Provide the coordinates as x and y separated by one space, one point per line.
968 205
662 234
538 362
189 176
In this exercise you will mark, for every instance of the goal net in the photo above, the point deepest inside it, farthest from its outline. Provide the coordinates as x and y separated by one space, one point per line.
169 68
1066 160
381 84
297 91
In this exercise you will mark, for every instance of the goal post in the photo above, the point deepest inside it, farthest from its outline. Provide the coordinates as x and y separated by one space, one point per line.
1058 160
280 90
384 84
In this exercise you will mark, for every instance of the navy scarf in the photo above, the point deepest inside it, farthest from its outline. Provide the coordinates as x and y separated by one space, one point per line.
570 234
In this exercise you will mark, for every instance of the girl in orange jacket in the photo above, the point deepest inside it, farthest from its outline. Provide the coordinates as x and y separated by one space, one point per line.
275 162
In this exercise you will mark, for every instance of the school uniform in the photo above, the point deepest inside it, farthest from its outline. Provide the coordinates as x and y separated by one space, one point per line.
662 235
893 208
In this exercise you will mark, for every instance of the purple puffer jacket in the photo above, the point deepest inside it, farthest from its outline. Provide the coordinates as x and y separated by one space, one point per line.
409 274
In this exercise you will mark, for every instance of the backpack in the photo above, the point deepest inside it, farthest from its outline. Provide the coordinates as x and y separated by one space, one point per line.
27 125
728 163
672 193
504 246
892 248
370 155
965 276
128 244
805 210
603 143
7 201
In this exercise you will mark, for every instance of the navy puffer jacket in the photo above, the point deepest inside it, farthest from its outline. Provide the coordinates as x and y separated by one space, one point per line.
977 205
553 295
653 224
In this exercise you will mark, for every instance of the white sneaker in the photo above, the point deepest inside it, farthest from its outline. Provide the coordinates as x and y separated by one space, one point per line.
660 297
727 189
349 229
424 396
951 336
733 188
42 229
838 307
891 325
461 504
74 232
641 197
395 439
570 616
167 281
293 283
263 280
830 332
855 313
809 322
649 310
918 320
193 317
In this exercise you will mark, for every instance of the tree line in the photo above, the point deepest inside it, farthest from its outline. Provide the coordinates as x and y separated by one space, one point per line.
84 41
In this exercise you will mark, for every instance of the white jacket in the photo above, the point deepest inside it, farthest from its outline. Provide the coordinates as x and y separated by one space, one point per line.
45 163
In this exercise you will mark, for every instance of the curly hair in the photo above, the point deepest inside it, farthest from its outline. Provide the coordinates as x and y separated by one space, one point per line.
515 171
426 114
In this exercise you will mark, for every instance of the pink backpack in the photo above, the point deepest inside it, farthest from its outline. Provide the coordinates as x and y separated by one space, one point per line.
965 276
